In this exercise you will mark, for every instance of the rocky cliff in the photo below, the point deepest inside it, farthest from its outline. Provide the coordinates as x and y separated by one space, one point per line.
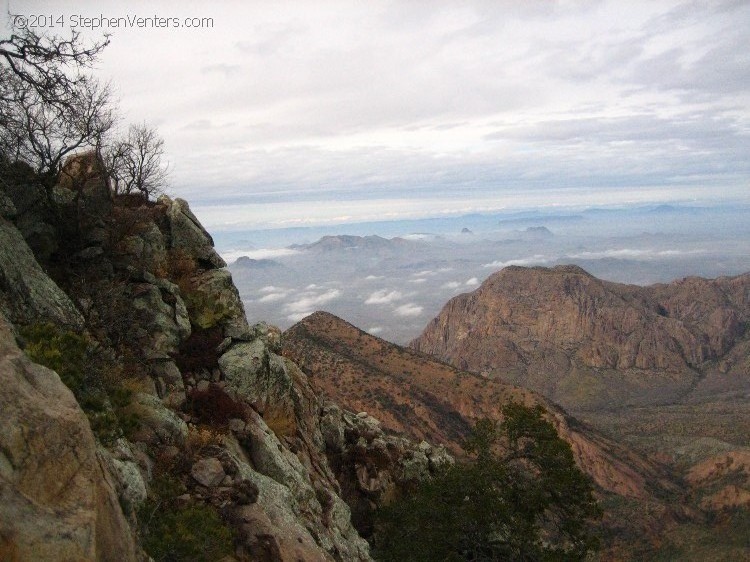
172 427
591 344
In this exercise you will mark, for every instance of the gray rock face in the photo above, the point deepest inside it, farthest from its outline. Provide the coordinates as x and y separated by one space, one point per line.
189 235
214 300
7 207
26 203
258 376
147 250
57 500
373 466
29 294
288 521
131 488
165 319
159 426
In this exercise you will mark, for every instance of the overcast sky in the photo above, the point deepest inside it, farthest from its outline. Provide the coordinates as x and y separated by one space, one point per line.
293 113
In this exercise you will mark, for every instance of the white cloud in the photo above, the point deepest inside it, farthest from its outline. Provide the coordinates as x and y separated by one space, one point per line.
297 316
271 289
409 309
472 282
632 253
309 301
383 297
451 285
419 280
375 330
374 277
273 297
531 260
260 254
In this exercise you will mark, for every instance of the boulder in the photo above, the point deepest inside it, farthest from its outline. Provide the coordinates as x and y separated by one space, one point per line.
213 300
164 316
208 472
57 498
261 379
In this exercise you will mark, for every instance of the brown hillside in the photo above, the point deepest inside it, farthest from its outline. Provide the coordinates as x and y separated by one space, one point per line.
590 344
413 394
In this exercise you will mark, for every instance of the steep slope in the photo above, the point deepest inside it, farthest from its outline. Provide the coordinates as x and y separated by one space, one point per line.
411 393
182 428
590 344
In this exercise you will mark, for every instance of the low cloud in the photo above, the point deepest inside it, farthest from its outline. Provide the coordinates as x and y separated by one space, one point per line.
383 297
375 330
409 309
472 282
297 316
531 260
307 301
632 253
271 289
273 297
231 256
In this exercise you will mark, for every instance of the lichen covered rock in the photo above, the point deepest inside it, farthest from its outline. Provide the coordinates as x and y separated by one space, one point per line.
28 294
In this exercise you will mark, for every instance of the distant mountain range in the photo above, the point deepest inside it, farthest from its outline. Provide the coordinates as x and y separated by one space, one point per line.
349 242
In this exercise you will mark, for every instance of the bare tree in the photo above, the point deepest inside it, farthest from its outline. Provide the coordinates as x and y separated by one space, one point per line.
44 134
44 64
135 162
48 107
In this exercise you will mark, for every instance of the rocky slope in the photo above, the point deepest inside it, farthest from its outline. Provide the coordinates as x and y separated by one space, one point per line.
589 344
413 394
178 408
416 395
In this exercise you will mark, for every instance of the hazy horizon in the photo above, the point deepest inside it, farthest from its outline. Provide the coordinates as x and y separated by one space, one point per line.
391 277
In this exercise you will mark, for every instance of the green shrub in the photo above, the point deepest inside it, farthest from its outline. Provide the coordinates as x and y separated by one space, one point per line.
73 357
171 533
192 534
64 352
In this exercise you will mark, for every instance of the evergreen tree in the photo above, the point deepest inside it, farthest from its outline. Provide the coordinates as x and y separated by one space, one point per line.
521 498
